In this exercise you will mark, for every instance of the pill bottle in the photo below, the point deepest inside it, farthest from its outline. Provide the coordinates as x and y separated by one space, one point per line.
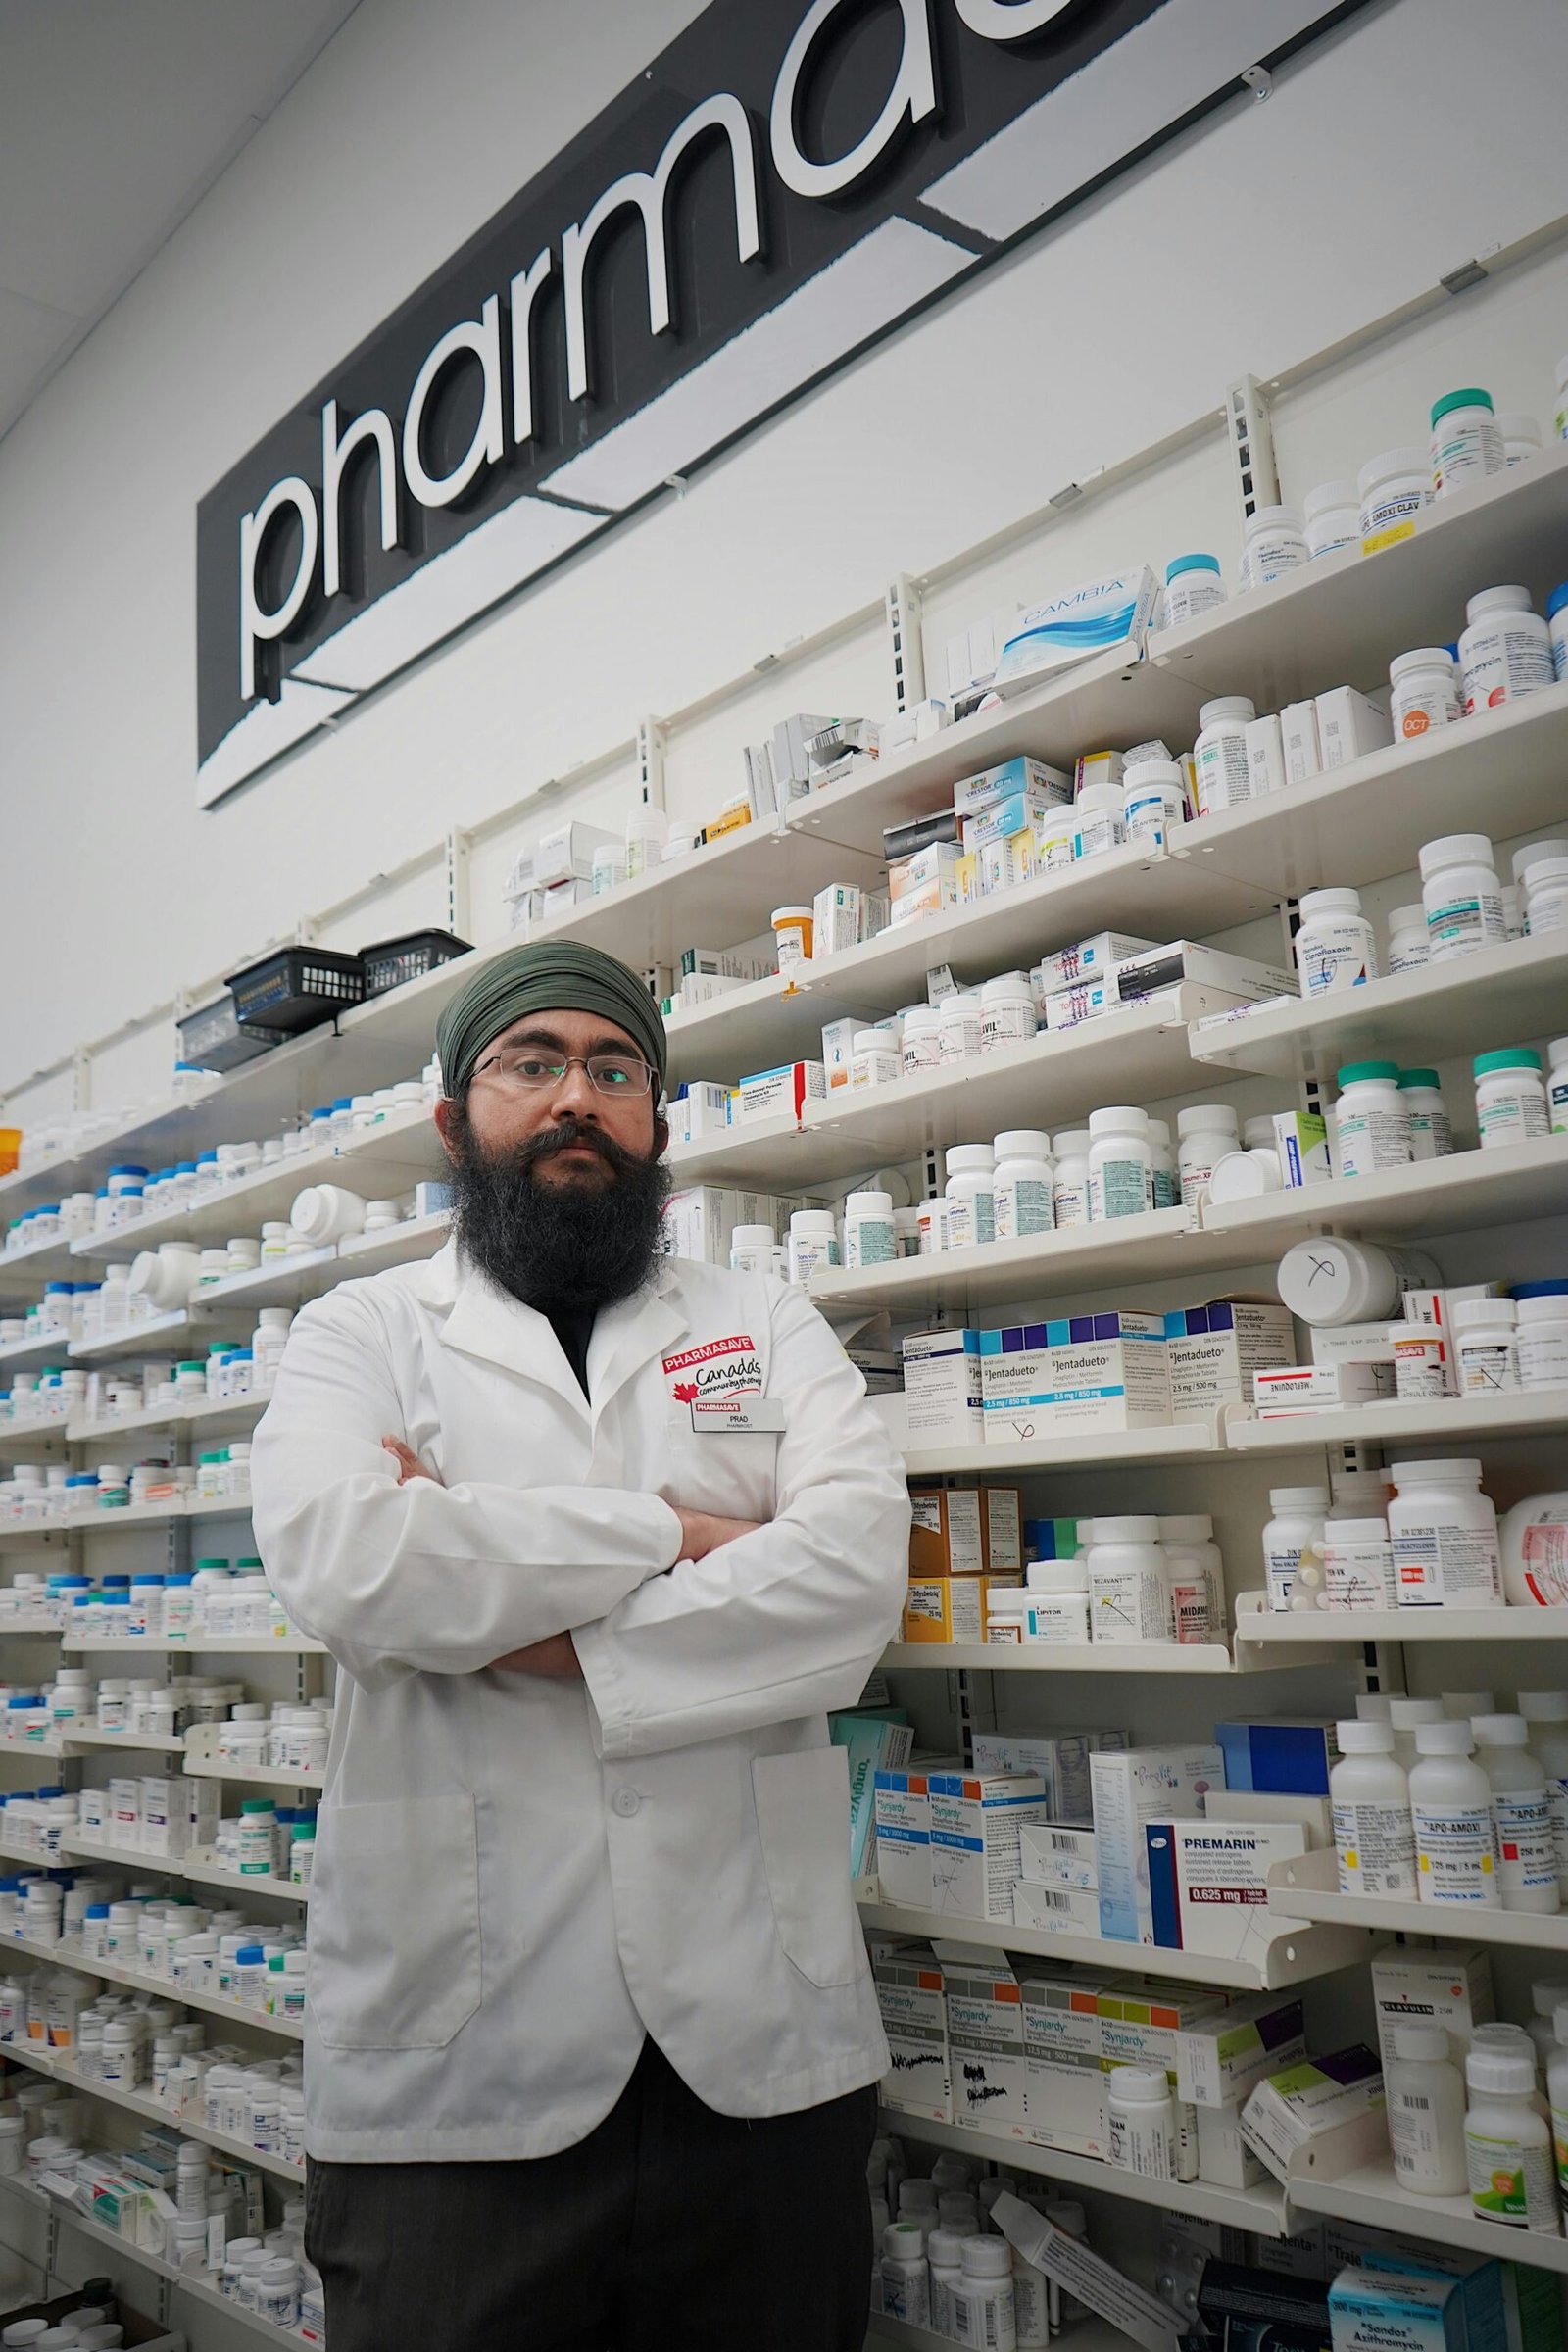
1466 443
905 2279
1205 1132
1423 1362
647 833
1335 946
1392 488
1332 514
1098 822
608 867
1451 1807
1069 1187
1511 1102
1121 1164
1426 2105
1409 949
813 1242
1521 1813
1374 1837
1431 1132
1405 1717
1533 853
1021 1184
1546 902
1167 1182
1371 1120
922 1037
1141 2120
1504 649
1153 802
971 1205
1521 436
1274 544
1007 1010
1425 685
1196 1576
870 1238
1219 756
1547 1714
1444 1536
1193 584
1484 1340
935 1221
1557 629
980 2306
751 1250
1541 1339
960 1024
1507 2144
1129 1591
1056 1592
791 938
874 1061
1357 1565
1461 895
1293 1535
944 2253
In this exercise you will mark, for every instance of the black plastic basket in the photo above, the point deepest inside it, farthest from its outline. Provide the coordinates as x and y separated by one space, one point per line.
391 962
213 1039
294 988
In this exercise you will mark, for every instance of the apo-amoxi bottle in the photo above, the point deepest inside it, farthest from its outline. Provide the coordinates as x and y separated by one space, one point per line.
1521 1813
1547 1714
1450 1808
1374 1836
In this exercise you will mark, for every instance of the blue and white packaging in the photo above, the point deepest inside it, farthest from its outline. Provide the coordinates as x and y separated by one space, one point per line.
1051 787
1096 616
1283 1755
1129 1790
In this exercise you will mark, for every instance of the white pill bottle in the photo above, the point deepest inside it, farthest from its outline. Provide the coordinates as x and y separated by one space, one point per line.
1426 2104
1444 1532
1374 1837
1450 1811
1507 2144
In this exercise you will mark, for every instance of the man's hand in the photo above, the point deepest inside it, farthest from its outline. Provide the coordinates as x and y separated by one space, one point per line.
703 1532
409 1463
555 1656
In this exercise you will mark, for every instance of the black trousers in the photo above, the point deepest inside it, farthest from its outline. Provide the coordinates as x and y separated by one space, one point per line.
669 2229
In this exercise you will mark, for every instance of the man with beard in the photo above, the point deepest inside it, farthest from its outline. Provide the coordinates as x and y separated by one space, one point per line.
596 1537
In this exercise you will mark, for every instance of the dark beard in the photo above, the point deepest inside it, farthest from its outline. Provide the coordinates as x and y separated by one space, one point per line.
556 1245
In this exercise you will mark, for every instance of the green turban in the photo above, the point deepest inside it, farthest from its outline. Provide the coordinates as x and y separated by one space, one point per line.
547 976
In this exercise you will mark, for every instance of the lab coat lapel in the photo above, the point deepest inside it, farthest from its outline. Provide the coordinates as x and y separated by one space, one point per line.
484 1322
629 1334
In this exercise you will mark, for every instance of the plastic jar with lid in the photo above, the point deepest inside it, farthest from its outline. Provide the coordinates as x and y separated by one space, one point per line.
980 2305
1532 853
1021 1184
1430 1131
1206 1134
1511 1104
1462 895
1056 1592
1007 1010
1141 2120
1069 1183
608 869
1521 1813
1098 821
935 1224
971 1206
1466 443
874 1059
1450 1812
1274 544
1121 1164
959 1026
1504 649
1374 1838
869 1236
1541 1342
791 938
1547 900
1394 487
1335 948
1292 1538
1219 756
1129 1588
1425 686
751 1250
1484 1346
1332 514
1194 584
1194 1576
1426 2109
1154 799
922 1037
1521 436
1371 1119
1507 2143
647 831
1444 1536
1357 1565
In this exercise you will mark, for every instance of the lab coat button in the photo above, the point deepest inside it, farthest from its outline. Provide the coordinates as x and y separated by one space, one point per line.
625 1802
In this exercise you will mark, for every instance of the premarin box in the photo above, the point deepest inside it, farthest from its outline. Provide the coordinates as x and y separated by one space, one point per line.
1447 1984
1128 1791
942 1392
1096 616
1208 1883
912 2000
1213 1352
1064 2053
1023 774
975 1822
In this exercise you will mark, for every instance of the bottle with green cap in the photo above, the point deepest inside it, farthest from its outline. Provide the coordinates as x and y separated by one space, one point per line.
1511 1096
1430 1133
1371 1118
1467 441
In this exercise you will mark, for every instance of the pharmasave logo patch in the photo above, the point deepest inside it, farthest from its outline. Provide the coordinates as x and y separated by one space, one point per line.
728 1367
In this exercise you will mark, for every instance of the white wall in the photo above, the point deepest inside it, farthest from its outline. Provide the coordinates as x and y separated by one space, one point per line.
1424 133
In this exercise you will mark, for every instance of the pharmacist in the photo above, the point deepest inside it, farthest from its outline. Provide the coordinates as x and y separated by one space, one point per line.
596 1539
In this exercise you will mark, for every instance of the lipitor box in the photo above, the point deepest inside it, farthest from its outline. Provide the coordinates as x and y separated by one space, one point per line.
1283 1755
1057 1854
912 2000
942 1391
1213 1352
976 793
1088 960
1318 1388
1446 1984
1289 2109
985 2041
1064 2058
1128 1791
975 1822
1056 1910
1208 1883
1221 2059
1061 1758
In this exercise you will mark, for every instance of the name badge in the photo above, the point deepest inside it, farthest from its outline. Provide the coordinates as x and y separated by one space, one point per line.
721 1415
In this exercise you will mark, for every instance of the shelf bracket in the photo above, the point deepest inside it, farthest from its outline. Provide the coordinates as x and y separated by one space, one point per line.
905 642
1251 446
455 851
653 740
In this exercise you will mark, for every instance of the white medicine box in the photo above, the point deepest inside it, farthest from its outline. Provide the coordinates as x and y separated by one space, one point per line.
942 1393
976 1819
1213 1352
912 2000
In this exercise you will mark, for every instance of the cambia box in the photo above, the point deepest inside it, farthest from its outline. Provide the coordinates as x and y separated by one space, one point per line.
1110 614
1213 1352
912 2000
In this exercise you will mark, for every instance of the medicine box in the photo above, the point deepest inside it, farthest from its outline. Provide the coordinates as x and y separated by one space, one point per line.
566 854
749 959
1094 768
1104 1371
1088 960
1220 2060
1246 2308
1127 1792
1286 1755
975 1822
1058 1853
904 1836
941 1393
1064 2058
1446 1984
953 1608
1351 724
985 2043
1061 1758
1265 756
1223 2155
1138 2021
786 1089
1299 734
912 2000
1096 616
1049 1540
1401 2311
1085 1000
976 793
838 1047
1213 1352
700 1111
1015 813
1318 1388
835 919
924 882
1208 1883
1242 976
1056 1910
1307 2100
699 1221
945 1530
1313 1814
1301 1140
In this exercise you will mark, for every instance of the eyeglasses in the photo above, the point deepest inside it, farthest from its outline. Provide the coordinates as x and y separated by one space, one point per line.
608 1073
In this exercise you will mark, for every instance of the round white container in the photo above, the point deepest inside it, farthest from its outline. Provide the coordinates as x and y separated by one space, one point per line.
1394 487
971 1206
1450 1809
1430 1131
1444 1536
813 1242
1408 947
874 1059
1461 895
1504 649
1129 1594
1483 1343
922 1037
1058 1595
1426 2105
1021 1183
1121 1163
1167 1183
1507 2144
1196 1576
871 1237
1534 1537
1293 1538
1069 1189
1511 1103
1425 684
1274 544
1335 949
960 1027
1546 902
1205 1132
1371 1123
1153 802
1466 444
1541 1343
1374 1837
1357 1565
1007 1010
1332 514
1192 585
1219 755
1141 2120
1521 1813
1521 436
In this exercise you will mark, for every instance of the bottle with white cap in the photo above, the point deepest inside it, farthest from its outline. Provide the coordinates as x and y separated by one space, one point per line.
1021 1183
980 2306
1507 2144
1521 1814
1205 1132
1405 1717
1426 2106
1121 1163
1292 1538
1451 1806
905 2277
1374 1837
1546 1997
1546 1713
944 2254
1141 2120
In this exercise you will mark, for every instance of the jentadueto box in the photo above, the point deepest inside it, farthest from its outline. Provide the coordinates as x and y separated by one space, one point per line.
942 1393
1213 1352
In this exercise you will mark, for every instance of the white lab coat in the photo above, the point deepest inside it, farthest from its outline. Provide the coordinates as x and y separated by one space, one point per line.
516 1876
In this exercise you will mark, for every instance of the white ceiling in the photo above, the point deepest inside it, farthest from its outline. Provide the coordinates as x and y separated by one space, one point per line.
115 117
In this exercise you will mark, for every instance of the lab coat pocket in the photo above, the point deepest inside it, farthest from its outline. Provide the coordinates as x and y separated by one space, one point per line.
394 1946
803 1818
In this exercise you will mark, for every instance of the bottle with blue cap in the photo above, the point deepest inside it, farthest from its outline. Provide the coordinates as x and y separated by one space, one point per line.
1192 585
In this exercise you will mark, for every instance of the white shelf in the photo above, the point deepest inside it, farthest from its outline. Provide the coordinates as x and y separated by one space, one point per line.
1418 1421
1502 995
1309 1888
1066 1449
83 1741
156 1331
1508 1186
1370 2193
31 1437
1260 1627
97 1520
404 1245
1293 1957
43 1261
287 1282
70 1955
42 1629
1258 2209
221 1419
203 1759
1074 1657
153 1646
23 1354
1042 1265
151 2110
198 1864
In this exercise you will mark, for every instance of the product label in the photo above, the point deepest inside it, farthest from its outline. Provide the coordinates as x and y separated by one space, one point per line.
1191 1608
1070 1202
1511 1118
1544 1559
1526 1851
1118 1187
1444 1561
905 2295
1334 955
870 1242
1485 1367
1465 454
1149 819
1167 1189
1418 2152
1129 1604
1372 1138
1431 1135
1416 712
1543 1365
1457 926
1002 1024
1021 1204
1142 2144
1281 1568
1358 1576
1509 662
1224 778
1511 2184
1375 1846
971 1218
1455 1855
